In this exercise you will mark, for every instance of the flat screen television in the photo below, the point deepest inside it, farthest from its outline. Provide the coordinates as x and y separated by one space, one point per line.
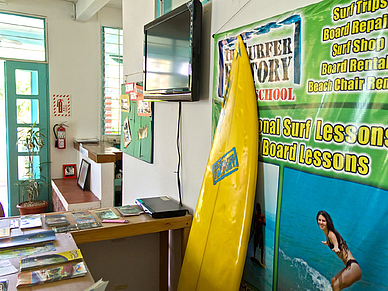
172 47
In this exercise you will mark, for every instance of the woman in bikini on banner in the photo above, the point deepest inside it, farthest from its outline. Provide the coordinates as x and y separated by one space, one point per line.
352 271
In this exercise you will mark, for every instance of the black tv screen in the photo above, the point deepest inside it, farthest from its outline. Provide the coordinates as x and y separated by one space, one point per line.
171 54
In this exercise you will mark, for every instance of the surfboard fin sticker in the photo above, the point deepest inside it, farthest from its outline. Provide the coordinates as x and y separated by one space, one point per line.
225 166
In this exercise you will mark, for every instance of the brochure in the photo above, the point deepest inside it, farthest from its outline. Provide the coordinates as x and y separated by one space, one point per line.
51 275
30 221
49 259
128 210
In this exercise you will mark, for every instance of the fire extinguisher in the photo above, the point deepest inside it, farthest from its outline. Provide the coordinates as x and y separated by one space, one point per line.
60 135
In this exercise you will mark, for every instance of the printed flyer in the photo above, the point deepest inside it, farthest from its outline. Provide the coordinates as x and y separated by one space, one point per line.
321 80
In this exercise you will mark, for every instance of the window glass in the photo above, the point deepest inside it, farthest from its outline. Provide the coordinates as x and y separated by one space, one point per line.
112 54
26 82
21 131
22 37
27 111
23 167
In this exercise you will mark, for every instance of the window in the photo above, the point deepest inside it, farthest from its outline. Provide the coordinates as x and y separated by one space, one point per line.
165 6
22 37
112 77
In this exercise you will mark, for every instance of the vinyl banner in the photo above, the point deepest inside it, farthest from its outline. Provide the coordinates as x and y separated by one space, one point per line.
321 79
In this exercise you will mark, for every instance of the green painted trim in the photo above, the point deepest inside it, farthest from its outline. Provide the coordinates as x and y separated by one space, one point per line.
102 79
167 6
160 10
277 228
119 45
45 41
14 195
44 19
157 9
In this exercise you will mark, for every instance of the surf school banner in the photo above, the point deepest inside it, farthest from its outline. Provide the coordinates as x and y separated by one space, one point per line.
321 78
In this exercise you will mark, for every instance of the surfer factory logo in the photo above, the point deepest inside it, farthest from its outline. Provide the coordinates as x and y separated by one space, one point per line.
275 59
225 166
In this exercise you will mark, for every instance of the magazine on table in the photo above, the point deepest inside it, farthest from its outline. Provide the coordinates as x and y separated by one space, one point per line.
83 217
49 259
128 210
66 228
105 214
56 219
30 221
26 251
89 225
85 220
9 223
51 274
27 239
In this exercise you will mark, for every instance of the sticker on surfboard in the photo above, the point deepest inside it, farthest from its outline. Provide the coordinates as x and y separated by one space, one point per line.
225 166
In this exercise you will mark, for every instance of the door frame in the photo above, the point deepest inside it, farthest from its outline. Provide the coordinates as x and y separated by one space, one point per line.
14 194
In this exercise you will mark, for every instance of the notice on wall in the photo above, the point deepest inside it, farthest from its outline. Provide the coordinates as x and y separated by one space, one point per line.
321 80
137 123
61 104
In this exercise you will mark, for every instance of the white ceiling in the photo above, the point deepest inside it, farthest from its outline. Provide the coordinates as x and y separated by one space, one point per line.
112 3
85 9
115 4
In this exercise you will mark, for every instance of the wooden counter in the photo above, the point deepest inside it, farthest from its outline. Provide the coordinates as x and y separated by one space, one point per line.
68 196
141 224
102 152
138 225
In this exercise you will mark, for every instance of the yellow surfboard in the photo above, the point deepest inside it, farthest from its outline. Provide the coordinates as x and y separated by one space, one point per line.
218 240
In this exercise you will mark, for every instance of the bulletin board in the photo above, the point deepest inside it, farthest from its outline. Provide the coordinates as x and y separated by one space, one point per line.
137 123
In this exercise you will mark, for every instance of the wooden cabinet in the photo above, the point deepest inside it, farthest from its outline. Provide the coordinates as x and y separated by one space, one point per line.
57 204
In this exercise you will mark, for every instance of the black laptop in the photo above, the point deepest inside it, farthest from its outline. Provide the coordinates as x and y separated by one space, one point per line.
161 207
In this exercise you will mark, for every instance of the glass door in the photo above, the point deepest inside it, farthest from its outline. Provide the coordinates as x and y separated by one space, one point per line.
26 104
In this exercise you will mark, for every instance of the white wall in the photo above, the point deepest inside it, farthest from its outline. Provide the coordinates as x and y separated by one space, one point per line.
75 68
141 179
254 11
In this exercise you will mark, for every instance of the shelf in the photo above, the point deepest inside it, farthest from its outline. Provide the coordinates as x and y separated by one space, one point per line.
68 196
102 152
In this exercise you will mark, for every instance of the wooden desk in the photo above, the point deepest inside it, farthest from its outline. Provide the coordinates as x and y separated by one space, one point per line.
138 225
141 224
64 242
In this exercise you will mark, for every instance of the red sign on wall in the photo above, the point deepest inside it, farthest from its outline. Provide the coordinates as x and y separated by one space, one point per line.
61 105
